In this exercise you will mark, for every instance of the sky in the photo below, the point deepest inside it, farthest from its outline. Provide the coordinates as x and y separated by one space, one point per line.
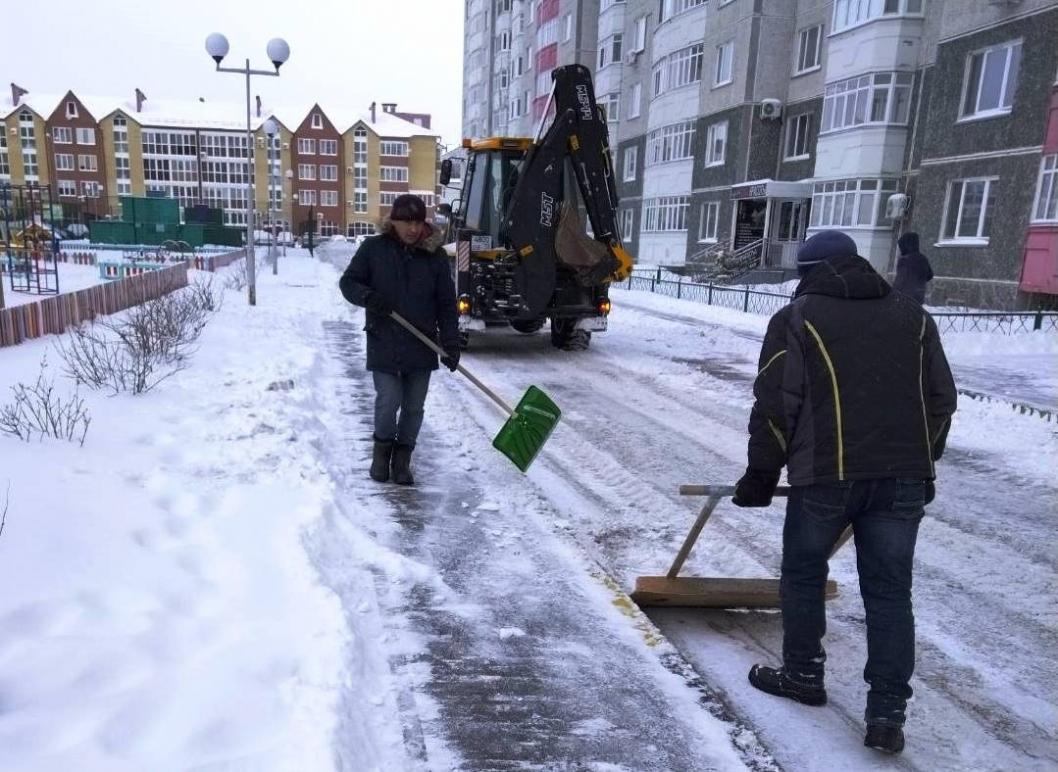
343 52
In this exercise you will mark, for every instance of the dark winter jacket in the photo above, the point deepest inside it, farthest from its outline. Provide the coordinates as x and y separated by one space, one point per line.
913 270
852 383
417 283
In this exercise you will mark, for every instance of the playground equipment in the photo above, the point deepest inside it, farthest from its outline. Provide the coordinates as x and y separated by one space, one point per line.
27 229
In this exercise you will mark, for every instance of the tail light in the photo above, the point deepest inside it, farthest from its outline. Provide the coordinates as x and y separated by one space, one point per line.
603 304
463 305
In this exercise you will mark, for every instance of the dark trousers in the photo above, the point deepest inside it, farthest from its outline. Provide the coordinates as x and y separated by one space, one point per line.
884 515
403 393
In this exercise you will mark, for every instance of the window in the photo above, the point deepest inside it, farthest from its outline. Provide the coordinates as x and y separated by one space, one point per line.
670 8
503 6
67 188
317 121
850 202
86 136
884 97
790 215
568 24
631 155
328 198
393 173
360 228
808 49
710 219
87 163
547 34
991 79
71 109
543 83
670 143
64 162
328 147
387 199
30 169
360 201
627 224
850 13
636 98
610 50
394 148
306 146
1046 209
797 129
611 104
724 54
505 40
156 170
716 144
519 65
122 168
90 189
605 5
328 172
63 135
27 133
5 160
639 36
306 171
667 213
360 146
680 68
966 210
121 135
307 197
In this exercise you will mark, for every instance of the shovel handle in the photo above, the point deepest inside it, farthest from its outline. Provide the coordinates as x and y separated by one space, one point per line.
722 490
440 352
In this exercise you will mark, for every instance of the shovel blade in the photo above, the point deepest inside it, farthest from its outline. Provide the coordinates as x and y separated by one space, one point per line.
704 592
525 432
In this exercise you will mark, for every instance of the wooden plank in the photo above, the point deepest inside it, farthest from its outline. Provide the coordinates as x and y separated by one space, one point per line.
701 592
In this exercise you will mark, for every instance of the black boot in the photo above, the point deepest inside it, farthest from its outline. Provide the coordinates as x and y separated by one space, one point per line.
776 681
884 738
402 465
380 460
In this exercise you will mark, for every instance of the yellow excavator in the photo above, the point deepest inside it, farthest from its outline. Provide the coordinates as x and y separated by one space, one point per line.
521 251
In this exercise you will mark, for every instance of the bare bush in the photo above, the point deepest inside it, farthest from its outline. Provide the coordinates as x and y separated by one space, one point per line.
205 293
238 278
39 412
151 343
3 512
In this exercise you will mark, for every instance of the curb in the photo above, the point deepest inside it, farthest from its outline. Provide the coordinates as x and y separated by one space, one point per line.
1020 407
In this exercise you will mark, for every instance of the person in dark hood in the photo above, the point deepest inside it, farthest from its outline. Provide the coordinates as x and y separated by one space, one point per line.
913 271
403 269
854 397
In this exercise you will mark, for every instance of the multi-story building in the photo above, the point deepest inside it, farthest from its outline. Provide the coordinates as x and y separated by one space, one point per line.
748 125
342 168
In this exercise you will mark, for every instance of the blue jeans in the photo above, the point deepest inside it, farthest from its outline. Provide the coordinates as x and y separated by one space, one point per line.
403 392
884 515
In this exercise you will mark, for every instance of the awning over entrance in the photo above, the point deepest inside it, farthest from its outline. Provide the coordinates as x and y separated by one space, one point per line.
772 189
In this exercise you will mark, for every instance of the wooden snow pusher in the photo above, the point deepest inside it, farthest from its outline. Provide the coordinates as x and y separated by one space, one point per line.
674 590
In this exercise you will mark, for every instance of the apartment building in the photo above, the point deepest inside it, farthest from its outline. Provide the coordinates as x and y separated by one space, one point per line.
747 125
342 168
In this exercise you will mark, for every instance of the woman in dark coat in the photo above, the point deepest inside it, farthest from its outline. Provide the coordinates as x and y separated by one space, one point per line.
913 271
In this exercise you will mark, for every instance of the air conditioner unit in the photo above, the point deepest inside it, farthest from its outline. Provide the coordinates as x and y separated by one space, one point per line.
896 206
770 109
631 56
349 169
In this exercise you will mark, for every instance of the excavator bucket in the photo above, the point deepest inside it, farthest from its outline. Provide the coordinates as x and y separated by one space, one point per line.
674 590
528 428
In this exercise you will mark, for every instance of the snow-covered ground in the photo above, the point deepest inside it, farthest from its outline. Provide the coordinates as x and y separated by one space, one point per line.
71 278
212 582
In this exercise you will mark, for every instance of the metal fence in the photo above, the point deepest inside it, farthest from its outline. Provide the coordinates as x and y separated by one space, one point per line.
767 303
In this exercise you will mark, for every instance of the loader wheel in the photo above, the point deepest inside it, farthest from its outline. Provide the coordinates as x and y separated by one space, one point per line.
529 326
565 336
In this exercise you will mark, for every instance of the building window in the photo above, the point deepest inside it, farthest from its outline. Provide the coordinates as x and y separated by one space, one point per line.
847 203
360 202
87 163
393 173
328 172
328 198
790 215
680 68
631 155
90 189
503 6
386 198
64 162
62 135
670 8
634 101
568 34
505 40
605 5
884 97
639 36
797 129
328 147
543 83
519 65
991 79
306 146
808 49
850 13
67 188
71 109
360 228
967 210
307 197
724 55
547 34
610 50
26 131
710 219
86 136
29 166
394 148
1046 209
716 144
627 224
306 171
667 213
611 105
121 136
360 146
317 121
670 143
5 161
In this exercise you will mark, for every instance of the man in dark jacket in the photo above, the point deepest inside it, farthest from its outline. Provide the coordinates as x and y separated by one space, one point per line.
913 271
854 397
402 270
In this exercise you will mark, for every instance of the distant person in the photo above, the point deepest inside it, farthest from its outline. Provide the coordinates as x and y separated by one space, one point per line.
913 271
402 270
854 398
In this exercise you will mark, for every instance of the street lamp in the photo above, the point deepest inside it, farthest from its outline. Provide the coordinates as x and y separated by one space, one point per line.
271 128
278 52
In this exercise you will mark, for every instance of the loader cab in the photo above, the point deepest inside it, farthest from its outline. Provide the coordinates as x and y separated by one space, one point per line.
492 170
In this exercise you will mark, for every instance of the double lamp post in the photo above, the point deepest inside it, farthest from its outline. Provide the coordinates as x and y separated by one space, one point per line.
278 52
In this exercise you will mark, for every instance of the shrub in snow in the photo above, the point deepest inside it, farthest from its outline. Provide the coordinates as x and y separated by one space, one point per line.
238 277
39 412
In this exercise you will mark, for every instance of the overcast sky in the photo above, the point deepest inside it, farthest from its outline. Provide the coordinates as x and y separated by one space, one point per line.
348 52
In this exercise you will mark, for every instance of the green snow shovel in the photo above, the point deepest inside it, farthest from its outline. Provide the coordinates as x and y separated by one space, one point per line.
529 424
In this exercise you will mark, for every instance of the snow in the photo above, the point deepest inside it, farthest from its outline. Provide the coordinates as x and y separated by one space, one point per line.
212 582
72 277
